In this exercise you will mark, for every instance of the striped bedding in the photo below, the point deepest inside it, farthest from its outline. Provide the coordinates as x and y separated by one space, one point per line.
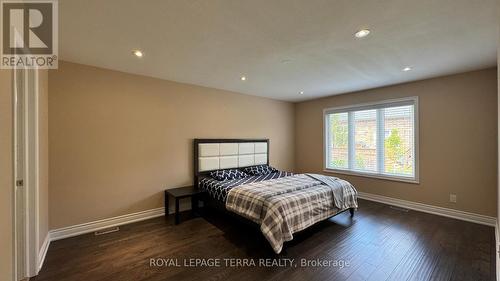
219 189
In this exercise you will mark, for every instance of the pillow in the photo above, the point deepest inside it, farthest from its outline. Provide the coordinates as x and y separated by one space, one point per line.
259 170
231 174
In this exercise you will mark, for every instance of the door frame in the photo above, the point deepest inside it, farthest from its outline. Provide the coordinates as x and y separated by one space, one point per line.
28 212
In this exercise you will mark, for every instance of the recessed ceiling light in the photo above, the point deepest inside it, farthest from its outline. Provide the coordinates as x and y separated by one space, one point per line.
138 53
301 92
243 78
362 33
407 68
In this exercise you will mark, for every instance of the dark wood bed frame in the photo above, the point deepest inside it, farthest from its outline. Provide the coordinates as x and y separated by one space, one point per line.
210 202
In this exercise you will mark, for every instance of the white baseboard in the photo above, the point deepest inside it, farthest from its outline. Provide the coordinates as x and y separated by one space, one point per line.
440 211
88 227
43 252
75 230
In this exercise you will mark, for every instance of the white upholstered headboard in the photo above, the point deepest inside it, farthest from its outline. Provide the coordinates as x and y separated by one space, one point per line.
219 154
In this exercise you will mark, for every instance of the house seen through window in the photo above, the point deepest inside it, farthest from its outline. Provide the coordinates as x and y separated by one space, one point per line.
376 139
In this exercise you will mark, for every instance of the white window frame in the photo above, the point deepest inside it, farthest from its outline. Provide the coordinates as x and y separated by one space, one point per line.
366 106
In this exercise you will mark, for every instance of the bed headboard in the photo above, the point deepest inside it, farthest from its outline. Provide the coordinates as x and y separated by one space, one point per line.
220 154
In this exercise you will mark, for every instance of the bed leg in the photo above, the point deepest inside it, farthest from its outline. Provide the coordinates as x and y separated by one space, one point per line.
351 210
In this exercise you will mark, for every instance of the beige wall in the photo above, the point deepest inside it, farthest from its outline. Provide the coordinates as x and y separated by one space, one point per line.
458 140
498 119
43 158
6 176
117 140
498 159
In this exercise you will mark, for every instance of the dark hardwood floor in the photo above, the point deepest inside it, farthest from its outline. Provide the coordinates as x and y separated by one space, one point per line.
379 243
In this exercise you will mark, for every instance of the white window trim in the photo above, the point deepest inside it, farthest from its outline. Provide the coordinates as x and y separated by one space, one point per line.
326 137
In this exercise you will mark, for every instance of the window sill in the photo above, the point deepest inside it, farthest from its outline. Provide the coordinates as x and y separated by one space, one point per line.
376 176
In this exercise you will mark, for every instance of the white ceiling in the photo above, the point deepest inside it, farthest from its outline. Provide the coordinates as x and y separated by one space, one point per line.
282 46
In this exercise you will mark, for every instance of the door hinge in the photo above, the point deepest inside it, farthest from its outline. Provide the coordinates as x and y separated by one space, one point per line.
19 182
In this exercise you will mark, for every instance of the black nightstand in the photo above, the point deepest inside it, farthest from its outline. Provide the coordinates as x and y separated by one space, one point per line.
179 193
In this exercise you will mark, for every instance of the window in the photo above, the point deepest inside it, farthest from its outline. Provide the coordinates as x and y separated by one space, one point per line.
378 139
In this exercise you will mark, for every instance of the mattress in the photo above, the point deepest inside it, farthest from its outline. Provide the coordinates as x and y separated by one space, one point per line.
219 189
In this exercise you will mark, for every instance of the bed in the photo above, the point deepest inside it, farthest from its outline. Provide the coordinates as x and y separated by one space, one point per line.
279 202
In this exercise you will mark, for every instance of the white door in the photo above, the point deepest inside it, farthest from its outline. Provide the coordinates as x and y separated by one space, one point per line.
26 173
20 174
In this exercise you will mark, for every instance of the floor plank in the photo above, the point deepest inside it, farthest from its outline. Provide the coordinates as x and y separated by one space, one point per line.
379 243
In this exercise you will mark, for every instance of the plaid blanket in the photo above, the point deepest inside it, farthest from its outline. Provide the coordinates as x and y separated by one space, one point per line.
287 205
